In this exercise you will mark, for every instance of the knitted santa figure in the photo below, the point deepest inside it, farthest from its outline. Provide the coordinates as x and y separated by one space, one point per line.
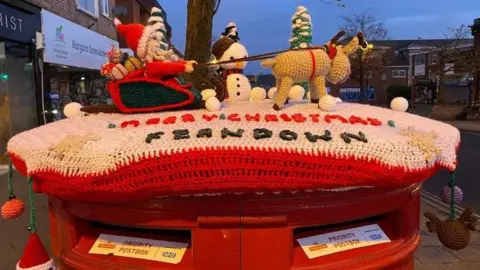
135 35
138 37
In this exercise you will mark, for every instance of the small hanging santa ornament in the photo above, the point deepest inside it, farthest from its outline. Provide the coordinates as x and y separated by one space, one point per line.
35 257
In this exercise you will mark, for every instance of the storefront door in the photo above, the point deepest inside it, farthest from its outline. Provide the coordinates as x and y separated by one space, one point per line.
18 101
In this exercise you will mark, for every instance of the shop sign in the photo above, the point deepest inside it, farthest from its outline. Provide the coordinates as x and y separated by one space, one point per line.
329 243
70 44
139 248
18 25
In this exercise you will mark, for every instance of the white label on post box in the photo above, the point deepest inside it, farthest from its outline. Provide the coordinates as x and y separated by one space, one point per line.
139 248
329 243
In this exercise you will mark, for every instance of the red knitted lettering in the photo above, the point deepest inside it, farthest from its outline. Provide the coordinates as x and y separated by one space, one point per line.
374 121
234 117
255 118
188 118
209 117
329 118
170 120
285 117
315 117
153 121
299 118
355 119
271 118
134 123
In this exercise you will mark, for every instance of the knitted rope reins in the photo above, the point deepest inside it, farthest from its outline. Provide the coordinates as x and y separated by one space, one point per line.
333 41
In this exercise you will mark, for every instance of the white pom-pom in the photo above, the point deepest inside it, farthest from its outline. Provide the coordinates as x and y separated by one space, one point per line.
213 104
327 103
208 93
72 109
258 93
272 93
116 22
296 93
399 104
338 100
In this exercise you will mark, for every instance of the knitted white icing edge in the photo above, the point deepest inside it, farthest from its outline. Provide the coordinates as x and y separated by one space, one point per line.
118 147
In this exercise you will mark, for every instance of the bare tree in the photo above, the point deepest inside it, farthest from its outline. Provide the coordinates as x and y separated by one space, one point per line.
363 62
456 54
366 23
199 36
336 2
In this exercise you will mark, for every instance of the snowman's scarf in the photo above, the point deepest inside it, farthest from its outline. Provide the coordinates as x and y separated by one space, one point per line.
225 72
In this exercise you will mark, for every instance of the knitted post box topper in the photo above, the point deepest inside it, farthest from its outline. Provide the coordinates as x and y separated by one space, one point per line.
313 65
247 147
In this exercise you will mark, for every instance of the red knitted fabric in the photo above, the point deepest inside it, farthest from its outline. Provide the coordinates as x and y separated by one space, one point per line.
224 170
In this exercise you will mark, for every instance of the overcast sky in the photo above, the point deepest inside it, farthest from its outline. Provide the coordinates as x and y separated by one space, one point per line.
264 25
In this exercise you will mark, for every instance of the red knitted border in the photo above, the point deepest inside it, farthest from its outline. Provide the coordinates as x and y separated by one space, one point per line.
222 170
114 90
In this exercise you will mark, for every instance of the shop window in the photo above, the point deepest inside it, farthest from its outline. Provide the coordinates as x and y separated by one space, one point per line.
105 8
399 73
18 96
89 6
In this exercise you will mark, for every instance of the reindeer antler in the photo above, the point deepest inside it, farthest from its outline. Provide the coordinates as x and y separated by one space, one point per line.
361 40
335 39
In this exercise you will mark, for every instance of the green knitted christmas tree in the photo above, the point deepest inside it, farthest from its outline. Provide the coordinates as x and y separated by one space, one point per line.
301 29
301 33
157 20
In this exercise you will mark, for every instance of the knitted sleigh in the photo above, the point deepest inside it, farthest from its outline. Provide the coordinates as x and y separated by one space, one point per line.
138 94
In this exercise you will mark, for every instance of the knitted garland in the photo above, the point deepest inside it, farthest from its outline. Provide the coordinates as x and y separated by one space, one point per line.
189 152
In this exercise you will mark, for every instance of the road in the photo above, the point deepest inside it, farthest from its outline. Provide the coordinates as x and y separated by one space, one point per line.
467 172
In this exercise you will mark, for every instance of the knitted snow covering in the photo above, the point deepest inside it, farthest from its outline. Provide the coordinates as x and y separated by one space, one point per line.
245 147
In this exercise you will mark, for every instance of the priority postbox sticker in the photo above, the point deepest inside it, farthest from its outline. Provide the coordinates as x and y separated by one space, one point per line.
139 248
329 243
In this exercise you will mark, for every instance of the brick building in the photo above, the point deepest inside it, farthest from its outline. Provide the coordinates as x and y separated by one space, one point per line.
412 63
94 15
77 35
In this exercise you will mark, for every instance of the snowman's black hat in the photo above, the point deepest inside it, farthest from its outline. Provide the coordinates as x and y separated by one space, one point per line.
221 46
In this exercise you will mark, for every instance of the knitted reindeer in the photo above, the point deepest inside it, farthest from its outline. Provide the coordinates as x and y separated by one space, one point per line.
315 65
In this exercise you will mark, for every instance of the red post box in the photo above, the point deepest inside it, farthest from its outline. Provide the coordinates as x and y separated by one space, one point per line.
250 232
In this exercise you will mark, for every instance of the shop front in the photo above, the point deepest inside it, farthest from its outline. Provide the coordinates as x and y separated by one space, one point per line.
73 57
18 95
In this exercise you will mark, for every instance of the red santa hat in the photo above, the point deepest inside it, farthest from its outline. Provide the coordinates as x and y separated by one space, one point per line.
35 257
135 35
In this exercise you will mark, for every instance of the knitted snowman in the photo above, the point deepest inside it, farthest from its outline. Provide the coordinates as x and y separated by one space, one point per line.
238 86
